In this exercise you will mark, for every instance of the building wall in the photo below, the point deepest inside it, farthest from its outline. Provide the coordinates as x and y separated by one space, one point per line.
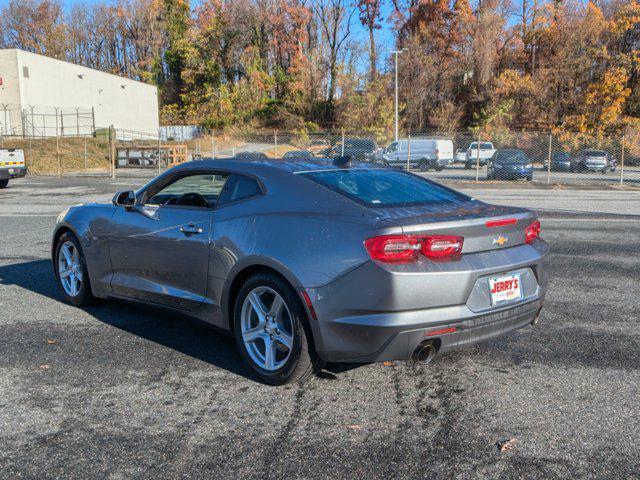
10 119
117 101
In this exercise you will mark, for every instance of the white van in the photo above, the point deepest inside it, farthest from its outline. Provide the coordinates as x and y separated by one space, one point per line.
11 165
424 153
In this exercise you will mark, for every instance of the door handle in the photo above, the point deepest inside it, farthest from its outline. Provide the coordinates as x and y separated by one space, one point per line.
190 230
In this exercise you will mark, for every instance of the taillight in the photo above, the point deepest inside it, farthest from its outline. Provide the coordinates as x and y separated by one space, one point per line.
532 232
406 248
441 246
393 248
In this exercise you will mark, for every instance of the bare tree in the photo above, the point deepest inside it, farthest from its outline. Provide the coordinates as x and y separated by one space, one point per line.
335 18
370 18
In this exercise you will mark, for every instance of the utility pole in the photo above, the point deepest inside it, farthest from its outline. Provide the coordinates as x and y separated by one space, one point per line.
396 52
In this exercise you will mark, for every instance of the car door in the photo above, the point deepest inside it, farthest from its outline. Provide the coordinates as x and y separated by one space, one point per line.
159 248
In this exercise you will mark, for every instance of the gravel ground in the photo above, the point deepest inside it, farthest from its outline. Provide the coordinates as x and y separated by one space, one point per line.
120 391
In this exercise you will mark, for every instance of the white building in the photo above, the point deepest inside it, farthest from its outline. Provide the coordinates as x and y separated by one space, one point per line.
43 96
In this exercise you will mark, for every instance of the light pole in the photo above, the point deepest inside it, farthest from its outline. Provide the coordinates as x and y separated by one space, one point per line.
396 52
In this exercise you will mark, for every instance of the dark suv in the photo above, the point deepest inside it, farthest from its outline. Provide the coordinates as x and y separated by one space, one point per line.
356 148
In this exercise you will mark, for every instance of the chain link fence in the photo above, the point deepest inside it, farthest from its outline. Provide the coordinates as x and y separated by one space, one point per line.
537 157
523 156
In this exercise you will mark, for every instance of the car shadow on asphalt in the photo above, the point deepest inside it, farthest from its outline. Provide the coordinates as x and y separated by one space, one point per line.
170 329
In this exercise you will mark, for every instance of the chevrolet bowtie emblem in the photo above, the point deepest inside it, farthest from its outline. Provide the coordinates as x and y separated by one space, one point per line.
500 240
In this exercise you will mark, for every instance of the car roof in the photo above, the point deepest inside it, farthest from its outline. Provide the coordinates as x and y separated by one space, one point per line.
266 165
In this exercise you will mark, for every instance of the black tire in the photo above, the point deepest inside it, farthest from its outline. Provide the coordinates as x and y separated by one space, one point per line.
303 360
85 296
467 166
439 168
4 183
423 165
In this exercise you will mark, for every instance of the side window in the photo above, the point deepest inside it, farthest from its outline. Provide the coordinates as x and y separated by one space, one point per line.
393 147
240 187
196 190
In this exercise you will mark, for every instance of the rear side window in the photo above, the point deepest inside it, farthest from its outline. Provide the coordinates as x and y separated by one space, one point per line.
240 187
384 188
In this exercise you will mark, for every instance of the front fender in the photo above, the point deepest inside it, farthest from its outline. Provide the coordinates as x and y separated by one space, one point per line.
89 224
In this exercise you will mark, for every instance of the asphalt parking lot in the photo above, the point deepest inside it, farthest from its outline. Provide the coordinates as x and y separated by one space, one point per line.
118 391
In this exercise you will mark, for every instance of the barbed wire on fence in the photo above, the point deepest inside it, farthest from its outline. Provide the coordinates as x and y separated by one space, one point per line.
38 121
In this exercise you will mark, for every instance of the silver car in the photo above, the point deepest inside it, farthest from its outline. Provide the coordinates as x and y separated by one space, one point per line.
310 261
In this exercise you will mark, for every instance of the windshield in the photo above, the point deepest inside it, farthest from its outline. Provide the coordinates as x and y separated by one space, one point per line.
595 153
560 156
510 157
385 188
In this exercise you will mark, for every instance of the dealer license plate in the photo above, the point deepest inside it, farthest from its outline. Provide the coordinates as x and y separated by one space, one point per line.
505 289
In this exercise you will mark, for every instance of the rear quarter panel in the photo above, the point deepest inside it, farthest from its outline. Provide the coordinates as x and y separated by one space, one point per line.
310 244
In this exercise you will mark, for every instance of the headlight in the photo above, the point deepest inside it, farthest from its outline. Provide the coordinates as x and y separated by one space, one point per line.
528 165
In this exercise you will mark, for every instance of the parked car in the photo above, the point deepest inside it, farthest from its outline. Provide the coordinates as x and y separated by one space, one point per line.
481 155
298 154
319 147
561 161
589 160
11 165
306 263
250 156
461 155
423 153
356 148
509 164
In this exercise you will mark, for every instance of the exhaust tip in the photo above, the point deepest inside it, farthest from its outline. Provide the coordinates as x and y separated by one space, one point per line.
537 317
425 352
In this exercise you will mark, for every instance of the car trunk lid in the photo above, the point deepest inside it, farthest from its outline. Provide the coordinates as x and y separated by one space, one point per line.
483 226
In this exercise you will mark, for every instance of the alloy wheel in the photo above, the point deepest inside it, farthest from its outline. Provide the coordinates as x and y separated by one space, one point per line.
70 269
267 328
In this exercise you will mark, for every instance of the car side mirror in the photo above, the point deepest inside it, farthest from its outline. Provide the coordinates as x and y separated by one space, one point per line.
124 198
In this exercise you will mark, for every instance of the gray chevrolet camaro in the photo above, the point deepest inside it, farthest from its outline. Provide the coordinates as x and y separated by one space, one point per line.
310 261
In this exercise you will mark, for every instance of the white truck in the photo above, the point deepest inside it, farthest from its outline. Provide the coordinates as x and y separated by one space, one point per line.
423 153
481 156
11 165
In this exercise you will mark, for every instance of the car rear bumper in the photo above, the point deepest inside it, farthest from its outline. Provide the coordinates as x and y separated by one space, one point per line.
595 167
401 341
12 172
508 174
390 327
443 162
